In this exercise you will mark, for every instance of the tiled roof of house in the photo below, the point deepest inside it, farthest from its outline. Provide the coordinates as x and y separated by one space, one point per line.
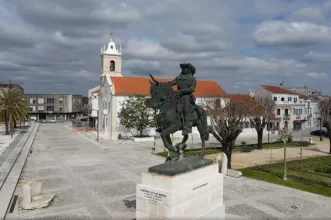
10 86
302 96
251 103
141 86
277 89
96 91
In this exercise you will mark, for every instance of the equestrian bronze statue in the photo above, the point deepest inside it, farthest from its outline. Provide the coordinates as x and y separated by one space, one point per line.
177 110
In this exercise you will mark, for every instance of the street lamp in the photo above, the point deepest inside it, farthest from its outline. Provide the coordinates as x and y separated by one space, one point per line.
97 123
321 136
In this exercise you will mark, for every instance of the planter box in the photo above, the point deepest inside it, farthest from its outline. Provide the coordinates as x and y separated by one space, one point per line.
142 139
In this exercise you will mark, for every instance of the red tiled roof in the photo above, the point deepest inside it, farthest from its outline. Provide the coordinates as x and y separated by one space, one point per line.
141 86
254 107
96 91
10 86
302 96
277 89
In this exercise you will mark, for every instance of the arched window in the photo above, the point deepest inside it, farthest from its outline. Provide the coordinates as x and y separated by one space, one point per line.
112 66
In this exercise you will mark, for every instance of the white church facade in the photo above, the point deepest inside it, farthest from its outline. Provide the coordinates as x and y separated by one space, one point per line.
115 88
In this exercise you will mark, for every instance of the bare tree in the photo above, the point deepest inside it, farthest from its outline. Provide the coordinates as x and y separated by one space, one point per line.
227 123
325 109
284 134
260 116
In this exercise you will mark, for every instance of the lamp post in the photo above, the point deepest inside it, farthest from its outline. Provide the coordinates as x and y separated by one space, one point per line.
97 123
285 170
321 136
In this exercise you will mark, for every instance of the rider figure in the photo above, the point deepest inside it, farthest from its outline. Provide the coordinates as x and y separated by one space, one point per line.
186 84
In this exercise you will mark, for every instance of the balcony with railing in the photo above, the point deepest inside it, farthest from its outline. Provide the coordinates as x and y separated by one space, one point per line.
286 116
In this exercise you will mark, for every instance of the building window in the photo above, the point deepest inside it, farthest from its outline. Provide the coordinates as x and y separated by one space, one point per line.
60 108
295 99
282 99
50 100
278 111
60 101
41 101
32 108
40 108
112 66
32 100
289 99
50 108
218 103
275 98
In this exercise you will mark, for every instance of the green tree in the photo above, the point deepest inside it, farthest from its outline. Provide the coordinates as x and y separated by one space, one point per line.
12 107
136 113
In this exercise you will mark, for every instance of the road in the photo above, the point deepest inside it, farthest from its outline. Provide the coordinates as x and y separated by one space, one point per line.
98 181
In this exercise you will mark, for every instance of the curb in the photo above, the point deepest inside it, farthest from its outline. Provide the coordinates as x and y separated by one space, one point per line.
10 183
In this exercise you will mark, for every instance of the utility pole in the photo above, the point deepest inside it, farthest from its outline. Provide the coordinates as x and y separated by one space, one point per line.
98 126
268 126
321 136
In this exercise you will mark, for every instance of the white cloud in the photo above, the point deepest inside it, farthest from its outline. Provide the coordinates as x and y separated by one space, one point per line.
151 49
317 56
317 75
259 66
308 14
291 33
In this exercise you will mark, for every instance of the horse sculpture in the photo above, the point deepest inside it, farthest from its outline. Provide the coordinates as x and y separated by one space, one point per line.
170 119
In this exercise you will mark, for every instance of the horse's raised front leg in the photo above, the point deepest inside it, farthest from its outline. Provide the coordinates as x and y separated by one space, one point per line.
181 147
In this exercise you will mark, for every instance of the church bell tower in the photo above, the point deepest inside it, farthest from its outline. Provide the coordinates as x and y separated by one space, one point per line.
111 59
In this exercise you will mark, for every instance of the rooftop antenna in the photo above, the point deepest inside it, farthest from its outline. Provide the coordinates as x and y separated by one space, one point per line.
281 83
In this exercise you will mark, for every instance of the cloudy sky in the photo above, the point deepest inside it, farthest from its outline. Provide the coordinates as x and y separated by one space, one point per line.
54 46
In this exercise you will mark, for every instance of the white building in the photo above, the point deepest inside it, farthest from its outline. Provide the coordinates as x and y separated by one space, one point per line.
293 110
93 104
114 89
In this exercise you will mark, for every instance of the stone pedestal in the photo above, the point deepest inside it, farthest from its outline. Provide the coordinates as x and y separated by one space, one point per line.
33 198
197 194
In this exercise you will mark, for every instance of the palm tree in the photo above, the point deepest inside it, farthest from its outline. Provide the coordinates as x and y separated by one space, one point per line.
12 107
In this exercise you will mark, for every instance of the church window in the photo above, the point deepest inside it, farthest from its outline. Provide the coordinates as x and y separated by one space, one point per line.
112 66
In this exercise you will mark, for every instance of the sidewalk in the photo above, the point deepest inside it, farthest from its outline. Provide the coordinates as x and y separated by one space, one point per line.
5 140
259 157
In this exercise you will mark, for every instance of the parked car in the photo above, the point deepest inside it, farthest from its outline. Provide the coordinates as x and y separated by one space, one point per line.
317 133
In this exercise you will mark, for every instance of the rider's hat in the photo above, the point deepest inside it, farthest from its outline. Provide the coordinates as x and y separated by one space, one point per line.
188 65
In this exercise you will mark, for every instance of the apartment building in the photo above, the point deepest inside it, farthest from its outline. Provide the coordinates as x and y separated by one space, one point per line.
292 109
54 106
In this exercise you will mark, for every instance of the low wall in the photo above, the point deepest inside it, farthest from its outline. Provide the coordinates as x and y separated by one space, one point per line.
83 129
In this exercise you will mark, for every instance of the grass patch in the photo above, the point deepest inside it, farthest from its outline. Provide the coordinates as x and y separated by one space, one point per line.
194 152
271 145
308 174
238 148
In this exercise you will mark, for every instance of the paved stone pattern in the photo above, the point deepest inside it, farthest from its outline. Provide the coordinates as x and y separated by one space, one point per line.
10 148
98 181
